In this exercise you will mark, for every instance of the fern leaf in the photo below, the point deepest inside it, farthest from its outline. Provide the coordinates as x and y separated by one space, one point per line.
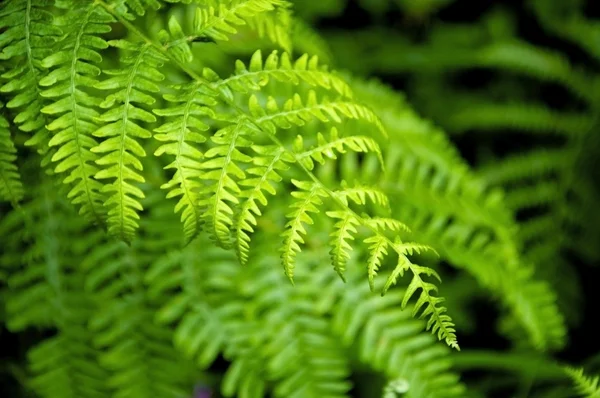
297 112
268 161
221 170
359 195
382 224
521 117
140 6
588 387
307 200
326 147
258 73
378 250
66 366
221 22
274 25
344 230
120 151
218 21
29 35
182 133
438 322
138 353
390 341
11 189
71 70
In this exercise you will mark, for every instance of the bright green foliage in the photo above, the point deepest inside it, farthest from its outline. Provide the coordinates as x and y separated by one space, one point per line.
208 206
472 230
586 386
120 126
46 289
281 68
73 70
11 189
29 35
183 129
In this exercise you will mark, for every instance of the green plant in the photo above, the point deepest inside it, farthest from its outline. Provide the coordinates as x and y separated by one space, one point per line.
152 153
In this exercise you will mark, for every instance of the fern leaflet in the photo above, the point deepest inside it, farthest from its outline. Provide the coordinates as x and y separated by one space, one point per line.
120 151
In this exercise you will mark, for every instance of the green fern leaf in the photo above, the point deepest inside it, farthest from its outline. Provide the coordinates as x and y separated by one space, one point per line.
268 161
438 322
344 230
259 73
307 200
274 25
66 366
140 6
221 170
28 36
359 195
217 21
326 148
11 189
71 70
588 387
182 133
388 340
390 224
119 127
296 112
221 22
378 251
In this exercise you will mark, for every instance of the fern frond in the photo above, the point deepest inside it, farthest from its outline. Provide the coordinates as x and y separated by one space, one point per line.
138 353
326 148
219 21
587 386
141 6
297 112
208 305
274 25
11 188
66 366
72 69
359 195
383 224
518 116
39 268
378 251
388 340
340 237
536 62
41 254
221 171
119 128
182 133
268 161
258 73
307 200
438 322
29 35
473 230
